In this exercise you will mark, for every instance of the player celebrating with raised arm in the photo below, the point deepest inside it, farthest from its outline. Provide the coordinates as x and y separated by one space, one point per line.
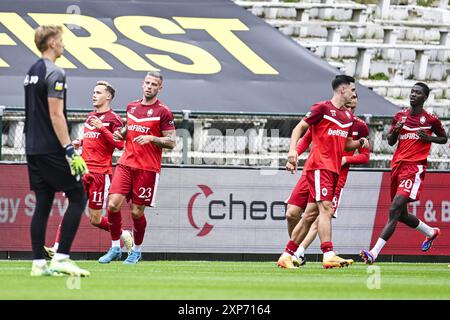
98 147
330 123
413 128
149 128
53 164
299 197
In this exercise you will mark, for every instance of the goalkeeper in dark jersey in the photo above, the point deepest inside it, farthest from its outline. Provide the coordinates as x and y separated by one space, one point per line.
53 164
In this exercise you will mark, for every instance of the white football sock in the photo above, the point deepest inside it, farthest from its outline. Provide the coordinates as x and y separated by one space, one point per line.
328 255
61 256
137 248
115 243
39 262
425 229
377 248
56 246
300 252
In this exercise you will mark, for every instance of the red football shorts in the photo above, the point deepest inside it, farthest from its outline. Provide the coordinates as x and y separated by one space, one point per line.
338 191
299 196
137 185
322 184
407 180
96 186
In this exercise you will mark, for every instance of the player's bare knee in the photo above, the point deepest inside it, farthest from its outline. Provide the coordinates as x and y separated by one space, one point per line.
326 209
328 213
137 213
95 217
310 217
396 208
394 212
94 221
113 206
293 215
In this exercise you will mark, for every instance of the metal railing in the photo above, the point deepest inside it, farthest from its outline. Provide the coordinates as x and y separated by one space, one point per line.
210 138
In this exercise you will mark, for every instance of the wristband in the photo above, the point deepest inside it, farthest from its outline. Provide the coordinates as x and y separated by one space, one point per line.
70 150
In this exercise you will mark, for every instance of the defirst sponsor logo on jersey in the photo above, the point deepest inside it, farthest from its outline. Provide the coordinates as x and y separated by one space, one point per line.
338 132
91 135
409 136
229 208
138 128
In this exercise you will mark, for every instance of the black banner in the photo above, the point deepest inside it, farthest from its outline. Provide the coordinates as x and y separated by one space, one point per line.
214 55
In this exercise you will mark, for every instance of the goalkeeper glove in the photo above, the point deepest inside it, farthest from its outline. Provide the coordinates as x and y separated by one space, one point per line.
76 163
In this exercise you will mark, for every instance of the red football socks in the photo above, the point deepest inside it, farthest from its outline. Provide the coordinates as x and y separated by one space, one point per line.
139 229
104 224
115 224
291 247
326 246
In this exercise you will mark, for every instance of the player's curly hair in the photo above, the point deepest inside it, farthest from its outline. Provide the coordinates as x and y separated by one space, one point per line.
45 32
108 87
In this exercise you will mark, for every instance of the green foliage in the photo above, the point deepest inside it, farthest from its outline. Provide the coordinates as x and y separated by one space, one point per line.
425 3
378 76
366 1
377 56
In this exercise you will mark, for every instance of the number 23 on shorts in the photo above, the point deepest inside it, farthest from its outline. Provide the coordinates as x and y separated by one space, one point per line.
145 193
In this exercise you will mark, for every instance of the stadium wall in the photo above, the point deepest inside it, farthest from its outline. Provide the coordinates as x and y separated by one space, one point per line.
235 211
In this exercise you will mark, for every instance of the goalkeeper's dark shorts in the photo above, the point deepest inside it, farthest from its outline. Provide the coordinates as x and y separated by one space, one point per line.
50 172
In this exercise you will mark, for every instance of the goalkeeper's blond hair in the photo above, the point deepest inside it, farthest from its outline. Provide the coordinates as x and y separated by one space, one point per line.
45 32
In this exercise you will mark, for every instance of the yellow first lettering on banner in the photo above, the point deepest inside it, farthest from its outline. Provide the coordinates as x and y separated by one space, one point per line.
196 60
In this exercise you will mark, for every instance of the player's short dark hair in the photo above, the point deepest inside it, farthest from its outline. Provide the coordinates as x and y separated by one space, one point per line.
425 88
340 80
155 74
45 32
108 87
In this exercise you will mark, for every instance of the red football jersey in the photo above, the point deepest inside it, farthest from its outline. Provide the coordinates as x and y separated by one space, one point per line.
99 144
359 130
330 127
410 147
302 145
145 120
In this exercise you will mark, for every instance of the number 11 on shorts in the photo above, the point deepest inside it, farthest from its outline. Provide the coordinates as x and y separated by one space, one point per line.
97 196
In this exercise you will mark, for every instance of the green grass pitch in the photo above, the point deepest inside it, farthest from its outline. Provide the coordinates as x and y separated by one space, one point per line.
215 280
